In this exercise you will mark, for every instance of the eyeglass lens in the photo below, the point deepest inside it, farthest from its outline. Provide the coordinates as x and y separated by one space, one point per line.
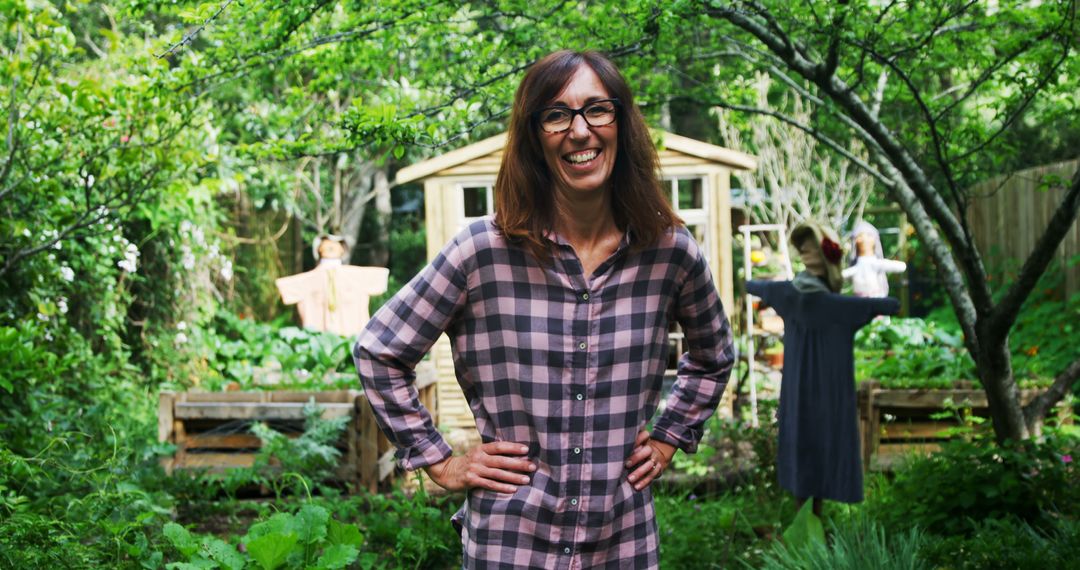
596 114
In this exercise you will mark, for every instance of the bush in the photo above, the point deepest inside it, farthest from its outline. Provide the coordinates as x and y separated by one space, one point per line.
948 492
1007 543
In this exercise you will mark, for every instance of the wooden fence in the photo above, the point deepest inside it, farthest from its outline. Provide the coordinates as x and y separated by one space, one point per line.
1009 213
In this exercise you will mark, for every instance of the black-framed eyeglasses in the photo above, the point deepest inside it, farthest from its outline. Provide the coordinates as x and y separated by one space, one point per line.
558 118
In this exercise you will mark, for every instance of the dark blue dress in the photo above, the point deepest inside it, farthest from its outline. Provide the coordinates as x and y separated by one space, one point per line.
819 437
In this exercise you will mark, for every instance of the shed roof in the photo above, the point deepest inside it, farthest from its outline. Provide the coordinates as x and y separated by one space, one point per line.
671 142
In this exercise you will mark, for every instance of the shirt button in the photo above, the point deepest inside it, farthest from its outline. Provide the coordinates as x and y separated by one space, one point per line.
582 345
566 550
573 502
584 296
581 396
577 450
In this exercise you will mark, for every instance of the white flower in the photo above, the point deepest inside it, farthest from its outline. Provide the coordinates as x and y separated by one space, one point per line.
188 258
43 317
226 270
67 274
58 244
181 326
26 232
181 338
131 259
61 303
185 226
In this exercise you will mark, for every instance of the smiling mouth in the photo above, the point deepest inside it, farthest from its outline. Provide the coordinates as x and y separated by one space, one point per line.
581 157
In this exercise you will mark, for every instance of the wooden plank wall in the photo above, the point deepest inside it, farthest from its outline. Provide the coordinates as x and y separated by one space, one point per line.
1009 213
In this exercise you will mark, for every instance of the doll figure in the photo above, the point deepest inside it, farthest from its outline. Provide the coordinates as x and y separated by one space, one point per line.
868 266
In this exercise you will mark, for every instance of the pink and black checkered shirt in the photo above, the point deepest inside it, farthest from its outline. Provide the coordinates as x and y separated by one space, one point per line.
571 366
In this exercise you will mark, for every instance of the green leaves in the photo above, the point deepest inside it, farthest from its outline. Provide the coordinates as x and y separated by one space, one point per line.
272 549
805 530
307 539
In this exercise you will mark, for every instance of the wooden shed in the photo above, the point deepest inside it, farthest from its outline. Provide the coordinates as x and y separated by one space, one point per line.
459 188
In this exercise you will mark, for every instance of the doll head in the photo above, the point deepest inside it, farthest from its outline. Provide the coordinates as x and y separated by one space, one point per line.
819 248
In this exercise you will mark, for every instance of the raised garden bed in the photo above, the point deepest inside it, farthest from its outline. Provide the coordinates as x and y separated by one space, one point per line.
897 422
211 430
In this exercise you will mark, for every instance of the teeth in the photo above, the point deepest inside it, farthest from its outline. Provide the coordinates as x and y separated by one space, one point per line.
580 157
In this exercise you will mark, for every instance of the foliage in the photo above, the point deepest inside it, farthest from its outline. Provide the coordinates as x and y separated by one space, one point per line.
950 491
307 539
722 531
1007 543
244 354
71 505
911 353
303 460
857 544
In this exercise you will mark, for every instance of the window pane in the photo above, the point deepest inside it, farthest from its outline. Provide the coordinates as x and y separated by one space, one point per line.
475 201
691 196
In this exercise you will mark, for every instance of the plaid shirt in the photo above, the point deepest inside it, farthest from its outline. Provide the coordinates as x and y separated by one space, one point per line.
570 366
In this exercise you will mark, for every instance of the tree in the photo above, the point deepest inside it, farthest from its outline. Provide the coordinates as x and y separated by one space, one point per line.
940 94
957 78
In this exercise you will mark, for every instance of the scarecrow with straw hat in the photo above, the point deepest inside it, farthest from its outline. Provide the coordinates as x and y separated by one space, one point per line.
818 455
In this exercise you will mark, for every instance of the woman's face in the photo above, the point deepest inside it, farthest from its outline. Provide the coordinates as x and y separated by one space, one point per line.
582 157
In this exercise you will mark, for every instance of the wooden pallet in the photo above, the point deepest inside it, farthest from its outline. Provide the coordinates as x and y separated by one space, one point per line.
895 423
211 430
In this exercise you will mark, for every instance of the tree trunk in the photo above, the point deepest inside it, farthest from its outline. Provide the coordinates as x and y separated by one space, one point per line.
993 364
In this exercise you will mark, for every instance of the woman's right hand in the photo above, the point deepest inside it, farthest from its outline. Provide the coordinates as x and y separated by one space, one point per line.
496 466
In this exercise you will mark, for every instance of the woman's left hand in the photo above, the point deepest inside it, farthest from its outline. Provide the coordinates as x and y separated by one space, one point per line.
649 459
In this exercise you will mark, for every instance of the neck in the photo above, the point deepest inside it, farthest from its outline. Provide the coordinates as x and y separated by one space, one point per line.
584 219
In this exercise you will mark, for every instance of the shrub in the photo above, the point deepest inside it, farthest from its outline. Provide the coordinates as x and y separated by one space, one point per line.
1007 543
947 492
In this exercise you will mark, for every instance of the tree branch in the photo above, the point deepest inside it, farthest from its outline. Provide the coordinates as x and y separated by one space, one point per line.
905 164
190 36
1037 409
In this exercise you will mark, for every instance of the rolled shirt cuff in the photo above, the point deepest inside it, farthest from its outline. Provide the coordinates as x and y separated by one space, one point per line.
423 453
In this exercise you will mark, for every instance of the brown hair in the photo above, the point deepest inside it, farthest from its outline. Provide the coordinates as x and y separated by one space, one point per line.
524 189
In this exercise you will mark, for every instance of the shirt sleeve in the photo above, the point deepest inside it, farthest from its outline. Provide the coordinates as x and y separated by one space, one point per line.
704 368
393 342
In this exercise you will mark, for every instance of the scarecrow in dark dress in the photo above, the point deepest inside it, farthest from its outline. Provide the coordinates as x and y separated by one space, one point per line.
818 454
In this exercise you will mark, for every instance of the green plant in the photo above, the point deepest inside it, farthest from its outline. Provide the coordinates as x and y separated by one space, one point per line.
721 531
911 353
858 544
949 491
285 463
307 539
1007 543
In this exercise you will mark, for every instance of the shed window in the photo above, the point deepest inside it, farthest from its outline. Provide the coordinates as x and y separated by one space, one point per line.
477 200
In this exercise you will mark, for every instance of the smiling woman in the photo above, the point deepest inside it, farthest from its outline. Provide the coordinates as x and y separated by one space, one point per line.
558 311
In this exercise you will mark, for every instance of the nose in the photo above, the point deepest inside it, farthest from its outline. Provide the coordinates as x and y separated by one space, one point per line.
579 129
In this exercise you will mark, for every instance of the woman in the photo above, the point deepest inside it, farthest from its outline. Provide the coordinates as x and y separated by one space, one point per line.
558 311
818 455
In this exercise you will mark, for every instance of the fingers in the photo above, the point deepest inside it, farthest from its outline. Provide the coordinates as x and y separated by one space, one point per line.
493 466
643 475
647 461
504 448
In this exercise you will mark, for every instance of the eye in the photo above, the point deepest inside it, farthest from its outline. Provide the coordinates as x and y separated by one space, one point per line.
599 109
554 115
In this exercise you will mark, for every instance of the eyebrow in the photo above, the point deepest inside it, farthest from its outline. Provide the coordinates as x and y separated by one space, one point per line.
593 99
